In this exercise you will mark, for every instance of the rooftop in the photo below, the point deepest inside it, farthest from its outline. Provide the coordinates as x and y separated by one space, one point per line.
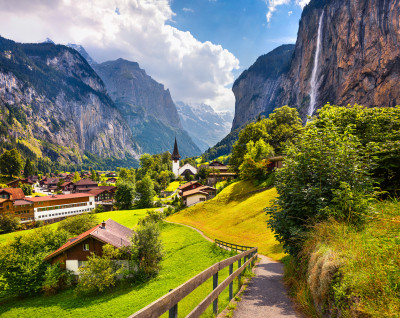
59 197
15 193
85 182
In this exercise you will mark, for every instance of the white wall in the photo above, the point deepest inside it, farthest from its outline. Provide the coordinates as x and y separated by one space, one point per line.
195 198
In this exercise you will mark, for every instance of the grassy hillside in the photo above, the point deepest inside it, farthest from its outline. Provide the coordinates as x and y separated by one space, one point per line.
236 215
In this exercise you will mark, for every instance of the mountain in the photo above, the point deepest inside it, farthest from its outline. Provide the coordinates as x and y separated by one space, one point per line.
146 106
257 88
81 50
53 104
205 126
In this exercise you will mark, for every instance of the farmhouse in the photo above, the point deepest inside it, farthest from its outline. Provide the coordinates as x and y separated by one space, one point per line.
74 253
15 183
189 186
198 195
12 194
84 185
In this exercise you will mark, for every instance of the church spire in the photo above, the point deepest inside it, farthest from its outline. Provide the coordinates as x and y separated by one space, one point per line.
175 154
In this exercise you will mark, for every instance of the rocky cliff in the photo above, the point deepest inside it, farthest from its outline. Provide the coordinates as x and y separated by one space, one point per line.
53 102
346 52
146 106
257 88
205 126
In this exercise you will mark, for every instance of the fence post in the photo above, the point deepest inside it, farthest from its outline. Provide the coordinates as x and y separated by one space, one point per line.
215 285
231 284
173 312
239 265
249 266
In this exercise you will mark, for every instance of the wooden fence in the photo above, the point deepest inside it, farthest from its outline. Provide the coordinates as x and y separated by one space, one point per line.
231 246
169 302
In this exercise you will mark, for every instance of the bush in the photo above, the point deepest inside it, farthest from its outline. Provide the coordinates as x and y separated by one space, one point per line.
55 279
78 224
322 167
26 188
8 223
125 195
100 272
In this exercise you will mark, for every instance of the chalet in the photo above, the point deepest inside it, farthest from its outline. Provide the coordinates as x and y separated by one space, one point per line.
219 172
12 194
66 187
57 207
34 179
102 195
49 183
75 252
111 189
15 183
188 186
24 210
84 185
111 180
111 175
187 170
198 195
218 166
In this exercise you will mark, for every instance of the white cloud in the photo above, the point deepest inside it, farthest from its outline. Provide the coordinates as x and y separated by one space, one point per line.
194 71
187 10
290 13
273 4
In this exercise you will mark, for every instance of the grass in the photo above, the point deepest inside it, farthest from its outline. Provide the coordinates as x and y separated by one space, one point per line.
352 271
186 254
235 215
172 186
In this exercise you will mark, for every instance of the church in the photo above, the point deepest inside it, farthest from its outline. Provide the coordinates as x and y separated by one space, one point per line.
186 169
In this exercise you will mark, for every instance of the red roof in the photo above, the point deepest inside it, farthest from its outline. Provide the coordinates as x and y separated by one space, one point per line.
113 233
85 182
15 193
97 191
22 202
188 184
66 183
59 197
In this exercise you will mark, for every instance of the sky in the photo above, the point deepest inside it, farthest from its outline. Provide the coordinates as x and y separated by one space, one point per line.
196 48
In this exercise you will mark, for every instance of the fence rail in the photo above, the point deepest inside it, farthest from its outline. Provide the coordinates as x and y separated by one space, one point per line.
232 246
169 302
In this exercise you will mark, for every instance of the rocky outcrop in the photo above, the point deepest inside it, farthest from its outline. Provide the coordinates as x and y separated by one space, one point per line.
146 106
359 60
205 126
53 102
257 88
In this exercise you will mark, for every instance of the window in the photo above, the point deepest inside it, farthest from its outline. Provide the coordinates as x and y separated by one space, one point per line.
86 246
202 199
81 263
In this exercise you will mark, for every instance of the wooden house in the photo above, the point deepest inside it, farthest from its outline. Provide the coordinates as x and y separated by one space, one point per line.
84 185
15 183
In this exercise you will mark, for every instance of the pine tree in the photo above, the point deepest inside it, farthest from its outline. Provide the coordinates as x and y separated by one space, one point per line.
28 169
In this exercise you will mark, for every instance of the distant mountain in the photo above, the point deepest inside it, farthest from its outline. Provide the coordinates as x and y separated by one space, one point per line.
81 50
203 124
54 105
146 106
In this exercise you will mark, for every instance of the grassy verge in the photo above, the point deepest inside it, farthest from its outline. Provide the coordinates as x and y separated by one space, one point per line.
172 186
186 254
354 272
235 215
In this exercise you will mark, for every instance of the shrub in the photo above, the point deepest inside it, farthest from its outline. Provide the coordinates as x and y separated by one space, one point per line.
55 279
78 224
26 188
8 223
125 195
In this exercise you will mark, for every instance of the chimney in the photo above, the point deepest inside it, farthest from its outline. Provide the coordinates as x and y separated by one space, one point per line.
103 224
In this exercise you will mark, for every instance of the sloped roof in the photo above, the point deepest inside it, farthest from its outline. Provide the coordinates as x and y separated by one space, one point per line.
59 197
175 154
21 202
113 233
193 192
85 182
15 193
109 188
188 184
96 191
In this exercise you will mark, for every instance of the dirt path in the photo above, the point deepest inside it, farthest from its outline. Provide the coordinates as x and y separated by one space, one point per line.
265 296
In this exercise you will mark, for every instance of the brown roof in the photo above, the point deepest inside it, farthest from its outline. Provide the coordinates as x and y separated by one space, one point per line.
279 158
22 202
188 184
21 180
85 182
15 193
113 233
193 192
107 187
66 183
59 197
206 187
97 191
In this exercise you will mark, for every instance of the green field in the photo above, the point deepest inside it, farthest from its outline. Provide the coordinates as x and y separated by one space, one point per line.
186 254
235 215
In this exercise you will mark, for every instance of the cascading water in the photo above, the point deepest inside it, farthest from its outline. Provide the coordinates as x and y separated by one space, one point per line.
314 79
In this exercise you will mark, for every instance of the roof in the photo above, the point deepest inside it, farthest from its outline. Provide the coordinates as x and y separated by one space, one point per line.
113 233
205 188
59 197
109 188
97 191
53 180
85 182
193 192
66 183
22 202
15 193
216 164
175 154
21 180
188 184
222 174
279 158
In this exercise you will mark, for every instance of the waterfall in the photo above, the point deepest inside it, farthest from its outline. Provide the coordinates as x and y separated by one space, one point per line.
314 79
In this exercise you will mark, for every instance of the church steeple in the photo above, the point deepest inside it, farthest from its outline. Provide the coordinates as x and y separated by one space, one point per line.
175 154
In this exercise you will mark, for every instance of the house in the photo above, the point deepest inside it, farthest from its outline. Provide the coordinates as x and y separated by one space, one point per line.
219 172
112 189
57 207
275 162
24 210
187 170
111 180
75 252
198 195
84 185
15 183
12 194
188 186
66 187
49 183
102 195
111 174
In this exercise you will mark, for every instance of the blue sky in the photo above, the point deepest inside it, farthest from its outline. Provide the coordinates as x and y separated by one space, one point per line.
195 48
238 25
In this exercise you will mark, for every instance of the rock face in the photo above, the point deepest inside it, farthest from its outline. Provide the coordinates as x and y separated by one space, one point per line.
146 106
205 126
358 61
53 102
257 88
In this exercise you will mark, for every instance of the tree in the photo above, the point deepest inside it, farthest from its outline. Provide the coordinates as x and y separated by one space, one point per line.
93 175
321 169
28 168
76 177
99 272
147 248
8 223
146 193
125 195
78 224
26 188
11 163
255 163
